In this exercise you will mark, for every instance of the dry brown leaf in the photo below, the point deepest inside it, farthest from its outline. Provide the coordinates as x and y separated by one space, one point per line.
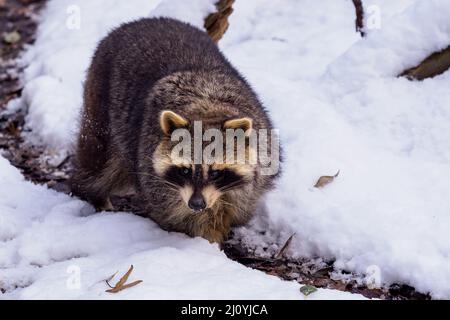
126 286
121 284
324 180
125 277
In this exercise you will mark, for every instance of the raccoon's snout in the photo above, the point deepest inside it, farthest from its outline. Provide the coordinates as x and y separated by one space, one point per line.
196 202
201 186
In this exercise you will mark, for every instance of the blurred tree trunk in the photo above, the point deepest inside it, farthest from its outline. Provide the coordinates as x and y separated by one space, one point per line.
216 24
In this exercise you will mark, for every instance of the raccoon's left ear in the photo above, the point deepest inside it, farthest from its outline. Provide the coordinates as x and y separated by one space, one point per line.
170 121
245 124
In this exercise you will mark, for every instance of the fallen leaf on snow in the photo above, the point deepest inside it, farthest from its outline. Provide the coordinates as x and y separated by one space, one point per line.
308 289
121 284
324 180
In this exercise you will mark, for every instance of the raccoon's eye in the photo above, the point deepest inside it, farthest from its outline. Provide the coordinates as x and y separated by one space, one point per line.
185 171
215 174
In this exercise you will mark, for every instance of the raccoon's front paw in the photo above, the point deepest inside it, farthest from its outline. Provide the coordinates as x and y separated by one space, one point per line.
106 205
215 236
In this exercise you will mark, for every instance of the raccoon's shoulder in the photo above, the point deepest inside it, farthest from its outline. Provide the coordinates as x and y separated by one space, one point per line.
153 30
161 46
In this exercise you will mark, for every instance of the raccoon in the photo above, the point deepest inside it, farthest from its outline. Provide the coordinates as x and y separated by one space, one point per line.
147 79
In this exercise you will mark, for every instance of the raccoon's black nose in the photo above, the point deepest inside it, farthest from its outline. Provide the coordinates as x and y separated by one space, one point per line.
197 203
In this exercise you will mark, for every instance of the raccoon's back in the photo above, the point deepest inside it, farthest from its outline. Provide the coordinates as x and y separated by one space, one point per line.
146 50
126 65
134 56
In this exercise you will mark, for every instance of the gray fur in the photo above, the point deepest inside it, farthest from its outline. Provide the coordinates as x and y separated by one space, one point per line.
139 70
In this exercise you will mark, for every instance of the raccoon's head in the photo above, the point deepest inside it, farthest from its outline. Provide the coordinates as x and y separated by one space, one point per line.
199 185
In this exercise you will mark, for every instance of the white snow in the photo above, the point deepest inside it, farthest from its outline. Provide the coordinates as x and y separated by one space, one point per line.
193 11
67 37
338 104
56 247
389 137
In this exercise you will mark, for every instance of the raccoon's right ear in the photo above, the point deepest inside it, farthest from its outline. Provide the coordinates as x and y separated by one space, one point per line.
170 121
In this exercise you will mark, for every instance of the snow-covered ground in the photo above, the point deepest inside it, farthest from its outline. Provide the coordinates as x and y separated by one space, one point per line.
339 106
56 247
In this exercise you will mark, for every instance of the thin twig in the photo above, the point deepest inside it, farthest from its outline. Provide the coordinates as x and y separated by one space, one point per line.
110 278
359 21
285 247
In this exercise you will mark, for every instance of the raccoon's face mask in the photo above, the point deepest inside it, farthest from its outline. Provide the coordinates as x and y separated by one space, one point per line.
200 186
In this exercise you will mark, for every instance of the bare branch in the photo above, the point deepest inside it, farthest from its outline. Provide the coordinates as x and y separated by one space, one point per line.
435 64
216 24
359 21
285 247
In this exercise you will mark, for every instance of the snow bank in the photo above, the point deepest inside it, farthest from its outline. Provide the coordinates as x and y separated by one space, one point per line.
338 105
389 137
193 11
56 247
66 39
405 40
53 246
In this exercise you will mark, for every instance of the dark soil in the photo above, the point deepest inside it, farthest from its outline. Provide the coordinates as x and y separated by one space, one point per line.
18 16
15 16
308 272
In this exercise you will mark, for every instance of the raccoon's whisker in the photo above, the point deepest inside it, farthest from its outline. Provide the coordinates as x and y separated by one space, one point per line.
174 186
158 178
232 205
171 199
224 201
169 185
146 174
231 185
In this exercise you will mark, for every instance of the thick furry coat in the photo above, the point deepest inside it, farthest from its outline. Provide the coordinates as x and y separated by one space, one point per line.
139 70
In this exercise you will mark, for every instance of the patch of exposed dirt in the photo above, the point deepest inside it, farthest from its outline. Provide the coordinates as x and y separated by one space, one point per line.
317 273
17 16
18 25
18 29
